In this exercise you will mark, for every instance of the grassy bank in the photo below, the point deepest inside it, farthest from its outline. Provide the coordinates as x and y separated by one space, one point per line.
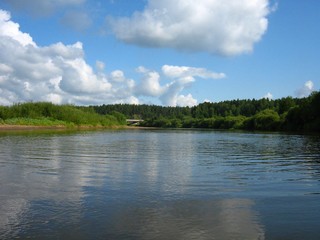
45 114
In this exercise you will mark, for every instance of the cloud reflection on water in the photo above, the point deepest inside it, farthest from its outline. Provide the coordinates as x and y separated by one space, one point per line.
133 183
190 219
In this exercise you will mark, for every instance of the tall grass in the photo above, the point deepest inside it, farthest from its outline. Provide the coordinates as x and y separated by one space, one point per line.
48 114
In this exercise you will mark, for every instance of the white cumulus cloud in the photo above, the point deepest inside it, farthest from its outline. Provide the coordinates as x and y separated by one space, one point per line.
149 84
172 96
305 90
56 73
59 73
187 100
10 29
268 96
181 77
217 26
183 71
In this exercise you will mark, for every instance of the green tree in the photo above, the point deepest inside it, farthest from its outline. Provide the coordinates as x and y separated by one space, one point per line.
266 120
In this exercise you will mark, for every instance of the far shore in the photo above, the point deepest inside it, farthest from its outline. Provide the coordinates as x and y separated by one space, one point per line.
8 127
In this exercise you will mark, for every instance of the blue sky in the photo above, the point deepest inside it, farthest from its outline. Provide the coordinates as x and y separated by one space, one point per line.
177 53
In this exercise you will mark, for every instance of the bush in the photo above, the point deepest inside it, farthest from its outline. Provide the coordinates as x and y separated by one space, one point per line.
229 122
265 120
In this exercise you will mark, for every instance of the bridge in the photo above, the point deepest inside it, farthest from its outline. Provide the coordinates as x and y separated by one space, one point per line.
134 121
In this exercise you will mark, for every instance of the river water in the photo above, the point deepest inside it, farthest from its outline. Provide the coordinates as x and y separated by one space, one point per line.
159 184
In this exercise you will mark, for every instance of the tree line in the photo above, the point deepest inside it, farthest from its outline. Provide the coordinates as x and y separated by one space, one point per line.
285 114
48 114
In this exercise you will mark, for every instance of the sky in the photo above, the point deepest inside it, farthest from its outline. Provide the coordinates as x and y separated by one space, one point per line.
163 52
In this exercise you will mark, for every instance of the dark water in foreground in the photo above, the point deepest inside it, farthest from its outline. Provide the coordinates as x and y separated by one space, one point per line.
157 184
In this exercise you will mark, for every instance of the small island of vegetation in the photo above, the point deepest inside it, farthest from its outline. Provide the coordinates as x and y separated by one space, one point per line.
285 114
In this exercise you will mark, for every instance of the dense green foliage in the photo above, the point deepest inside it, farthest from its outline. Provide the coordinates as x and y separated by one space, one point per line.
143 111
289 114
48 114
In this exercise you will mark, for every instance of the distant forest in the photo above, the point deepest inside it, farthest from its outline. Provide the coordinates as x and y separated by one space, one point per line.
285 114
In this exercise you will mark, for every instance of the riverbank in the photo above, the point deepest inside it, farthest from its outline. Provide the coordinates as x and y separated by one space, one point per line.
7 127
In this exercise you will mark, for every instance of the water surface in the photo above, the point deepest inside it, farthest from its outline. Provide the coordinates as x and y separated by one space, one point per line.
159 184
